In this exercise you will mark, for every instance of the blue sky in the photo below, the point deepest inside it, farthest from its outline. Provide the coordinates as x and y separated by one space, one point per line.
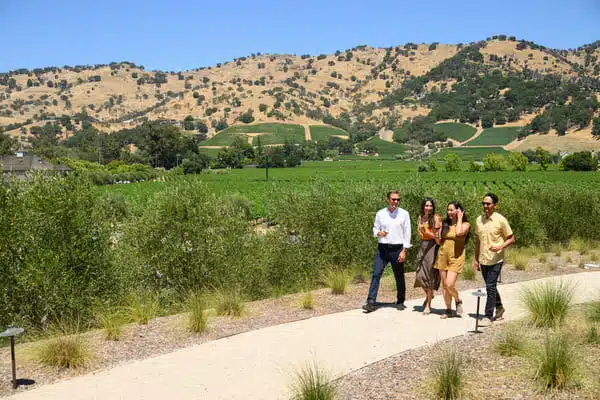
179 35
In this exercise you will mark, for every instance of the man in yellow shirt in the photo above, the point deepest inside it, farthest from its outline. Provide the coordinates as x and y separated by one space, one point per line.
493 236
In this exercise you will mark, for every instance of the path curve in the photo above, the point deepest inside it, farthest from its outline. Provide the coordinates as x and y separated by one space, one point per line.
260 364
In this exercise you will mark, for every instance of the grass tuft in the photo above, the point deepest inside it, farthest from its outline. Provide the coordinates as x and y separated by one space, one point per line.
338 281
313 383
308 301
111 321
230 302
555 361
65 351
468 272
548 303
195 305
593 311
581 246
143 306
511 342
447 373
592 336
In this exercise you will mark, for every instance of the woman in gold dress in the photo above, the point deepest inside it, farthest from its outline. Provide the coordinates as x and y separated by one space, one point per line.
451 255
429 226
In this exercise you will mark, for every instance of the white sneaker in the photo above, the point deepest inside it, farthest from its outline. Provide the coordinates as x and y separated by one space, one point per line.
485 321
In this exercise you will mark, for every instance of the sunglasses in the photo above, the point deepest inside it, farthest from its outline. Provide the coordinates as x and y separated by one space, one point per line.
483 203
394 199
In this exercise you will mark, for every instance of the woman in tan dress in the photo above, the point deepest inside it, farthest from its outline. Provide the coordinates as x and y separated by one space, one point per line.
429 226
451 255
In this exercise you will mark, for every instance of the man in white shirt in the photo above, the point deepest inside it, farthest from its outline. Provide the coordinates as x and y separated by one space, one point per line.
392 230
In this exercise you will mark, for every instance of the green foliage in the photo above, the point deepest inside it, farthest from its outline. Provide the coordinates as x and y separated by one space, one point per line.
452 162
494 162
511 341
542 157
596 127
548 303
580 161
468 273
475 167
230 302
593 311
65 351
495 136
555 361
308 301
196 305
112 322
420 129
188 123
518 161
55 247
323 133
447 373
470 153
456 131
142 306
313 383
592 336
338 281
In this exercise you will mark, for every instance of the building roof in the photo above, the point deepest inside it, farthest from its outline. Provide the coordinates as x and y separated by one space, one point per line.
26 162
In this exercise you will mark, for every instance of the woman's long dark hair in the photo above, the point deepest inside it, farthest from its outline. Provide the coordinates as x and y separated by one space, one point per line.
447 221
431 220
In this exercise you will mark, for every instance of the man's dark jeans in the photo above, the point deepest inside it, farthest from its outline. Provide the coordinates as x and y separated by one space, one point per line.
387 254
490 276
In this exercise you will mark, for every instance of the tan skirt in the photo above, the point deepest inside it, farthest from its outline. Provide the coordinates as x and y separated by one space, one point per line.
426 275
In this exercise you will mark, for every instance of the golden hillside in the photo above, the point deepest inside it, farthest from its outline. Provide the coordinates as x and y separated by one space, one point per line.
291 87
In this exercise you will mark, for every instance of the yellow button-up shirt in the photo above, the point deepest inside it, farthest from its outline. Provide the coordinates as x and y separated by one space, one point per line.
491 231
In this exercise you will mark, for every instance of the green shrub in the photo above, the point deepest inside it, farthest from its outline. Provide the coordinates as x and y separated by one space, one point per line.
56 255
468 272
592 336
338 281
313 383
447 373
555 361
548 303
511 342
308 301
142 307
195 305
66 351
229 302
112 322
593 311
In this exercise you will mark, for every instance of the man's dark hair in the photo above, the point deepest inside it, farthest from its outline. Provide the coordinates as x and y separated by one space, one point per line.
492 196
393 192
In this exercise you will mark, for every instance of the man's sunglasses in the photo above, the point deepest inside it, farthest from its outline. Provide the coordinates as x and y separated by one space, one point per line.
394 199
484 203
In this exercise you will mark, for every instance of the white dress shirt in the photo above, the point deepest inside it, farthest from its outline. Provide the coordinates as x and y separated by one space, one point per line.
396 224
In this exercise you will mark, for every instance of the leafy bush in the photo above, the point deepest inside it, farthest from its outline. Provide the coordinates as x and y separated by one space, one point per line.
55 245
580 161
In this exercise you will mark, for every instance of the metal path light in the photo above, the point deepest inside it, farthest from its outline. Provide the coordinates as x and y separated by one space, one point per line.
479 294
11 332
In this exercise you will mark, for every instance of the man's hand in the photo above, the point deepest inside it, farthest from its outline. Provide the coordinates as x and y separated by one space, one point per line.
402 256
496 249
476 265
382 234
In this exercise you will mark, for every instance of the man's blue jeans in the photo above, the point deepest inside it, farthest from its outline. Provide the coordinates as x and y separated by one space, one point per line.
387 254
490 276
